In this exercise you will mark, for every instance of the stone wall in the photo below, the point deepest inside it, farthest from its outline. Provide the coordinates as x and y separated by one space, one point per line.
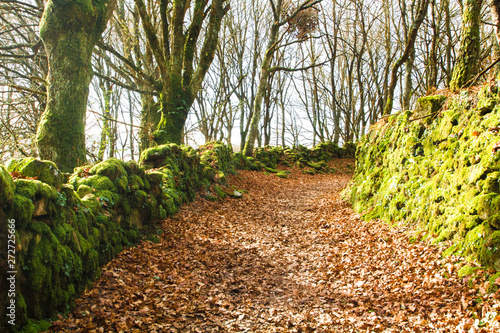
437 168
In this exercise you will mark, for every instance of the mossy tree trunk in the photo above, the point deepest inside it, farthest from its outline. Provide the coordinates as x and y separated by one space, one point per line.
106 131
69 31
467 62
150 118
175 54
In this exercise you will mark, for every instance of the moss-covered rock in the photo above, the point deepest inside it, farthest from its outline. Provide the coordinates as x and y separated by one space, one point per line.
44 171
467 270
112 168
428 105
220 193
282 174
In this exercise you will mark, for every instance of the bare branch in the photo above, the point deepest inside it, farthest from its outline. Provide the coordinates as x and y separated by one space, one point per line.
286 69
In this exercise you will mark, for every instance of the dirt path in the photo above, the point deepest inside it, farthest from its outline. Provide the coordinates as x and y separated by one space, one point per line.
290 256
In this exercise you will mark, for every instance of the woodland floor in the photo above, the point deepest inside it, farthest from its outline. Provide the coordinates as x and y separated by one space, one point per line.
290 256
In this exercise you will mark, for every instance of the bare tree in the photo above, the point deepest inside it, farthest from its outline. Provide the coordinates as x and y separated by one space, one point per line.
409 47
282 14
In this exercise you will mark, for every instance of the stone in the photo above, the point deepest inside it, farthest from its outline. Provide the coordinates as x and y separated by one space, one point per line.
40 207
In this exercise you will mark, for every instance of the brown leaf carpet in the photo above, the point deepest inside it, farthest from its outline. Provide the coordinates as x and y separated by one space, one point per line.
290 256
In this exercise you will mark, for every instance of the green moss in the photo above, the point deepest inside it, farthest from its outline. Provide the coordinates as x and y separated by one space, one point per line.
487 205
44 171
21 311
83 190
156 155
138 199
162 213
493 286
107 199
169 205
35 326
309 171
220 193
489 254
221 177
494 221
122 183
97 182
467 270
210 197
486 105
90 265
282 174
135 180
112 168
47 268
6 187
271 170
91 202
23 210
492 182
34 188
209 173
155 177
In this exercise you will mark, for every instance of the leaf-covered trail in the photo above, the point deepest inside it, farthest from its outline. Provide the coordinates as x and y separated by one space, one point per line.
290 256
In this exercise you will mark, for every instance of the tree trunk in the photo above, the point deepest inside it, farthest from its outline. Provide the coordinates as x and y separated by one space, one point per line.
175 108
69 31
150 118
495 16
175 55
131 133
410 44
432 71
261 89
105 132
467 62
408 82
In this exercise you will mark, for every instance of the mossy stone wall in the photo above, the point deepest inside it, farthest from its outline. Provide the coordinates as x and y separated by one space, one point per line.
437 168
69 225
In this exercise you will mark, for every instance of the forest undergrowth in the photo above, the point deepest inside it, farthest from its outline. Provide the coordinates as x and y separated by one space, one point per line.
290 256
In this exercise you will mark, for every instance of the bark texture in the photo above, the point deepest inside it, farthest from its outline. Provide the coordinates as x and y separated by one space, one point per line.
69 31
467 62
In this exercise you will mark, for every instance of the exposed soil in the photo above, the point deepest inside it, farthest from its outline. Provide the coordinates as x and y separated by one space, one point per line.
290 256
